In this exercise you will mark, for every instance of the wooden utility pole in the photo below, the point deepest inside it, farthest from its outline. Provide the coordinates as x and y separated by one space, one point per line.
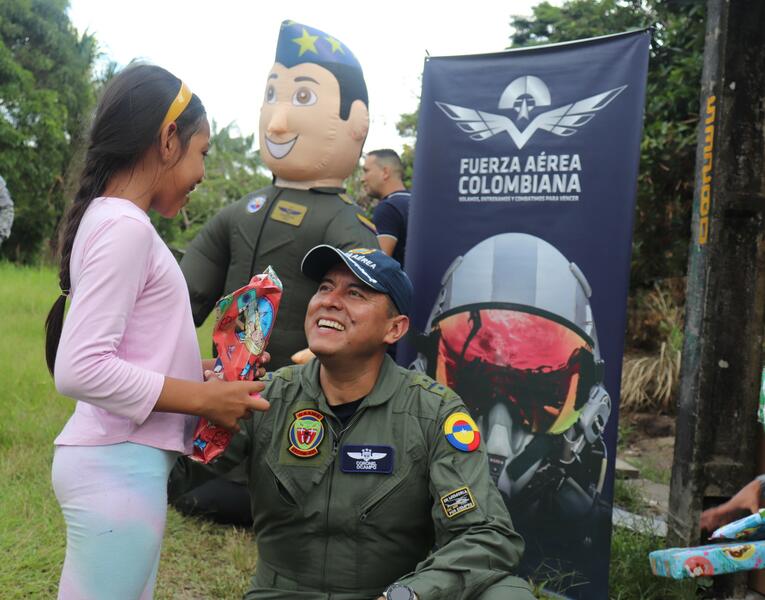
715 447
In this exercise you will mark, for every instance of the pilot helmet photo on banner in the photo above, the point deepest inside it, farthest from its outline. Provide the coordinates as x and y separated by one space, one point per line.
513 333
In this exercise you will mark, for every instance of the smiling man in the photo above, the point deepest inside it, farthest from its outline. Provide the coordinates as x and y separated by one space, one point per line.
369 480
313 123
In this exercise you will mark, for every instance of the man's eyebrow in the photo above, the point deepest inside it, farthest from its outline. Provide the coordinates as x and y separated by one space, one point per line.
306 78
273 76
361 286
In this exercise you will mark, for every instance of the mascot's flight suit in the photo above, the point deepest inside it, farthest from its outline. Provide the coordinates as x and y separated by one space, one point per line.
273 226
342 512
313 123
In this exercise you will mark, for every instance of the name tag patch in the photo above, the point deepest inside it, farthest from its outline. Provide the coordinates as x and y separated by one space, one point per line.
366 459
457 502
289 212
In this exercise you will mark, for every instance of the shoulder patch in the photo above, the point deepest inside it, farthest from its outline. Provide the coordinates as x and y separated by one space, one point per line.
428 384
367 223
457 502
462 432
269 376
256 203
346 198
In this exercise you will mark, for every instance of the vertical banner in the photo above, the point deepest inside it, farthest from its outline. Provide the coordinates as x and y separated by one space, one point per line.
519 247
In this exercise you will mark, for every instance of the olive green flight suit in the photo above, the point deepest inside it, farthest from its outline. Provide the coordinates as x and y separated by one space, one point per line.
272 226
435 522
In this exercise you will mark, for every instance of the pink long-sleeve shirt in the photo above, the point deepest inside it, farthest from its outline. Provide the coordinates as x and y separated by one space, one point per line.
129 325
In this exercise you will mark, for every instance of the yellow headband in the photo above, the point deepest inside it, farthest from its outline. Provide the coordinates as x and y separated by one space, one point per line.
178 105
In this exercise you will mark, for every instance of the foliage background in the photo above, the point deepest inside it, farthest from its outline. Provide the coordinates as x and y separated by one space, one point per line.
665 181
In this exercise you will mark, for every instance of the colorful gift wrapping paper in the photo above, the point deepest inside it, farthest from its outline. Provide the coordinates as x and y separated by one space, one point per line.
244 322
704 561
748 528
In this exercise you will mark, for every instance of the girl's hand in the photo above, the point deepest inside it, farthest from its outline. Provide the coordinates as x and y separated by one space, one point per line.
225 402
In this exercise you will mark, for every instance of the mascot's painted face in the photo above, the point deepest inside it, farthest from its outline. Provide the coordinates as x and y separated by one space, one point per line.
302 137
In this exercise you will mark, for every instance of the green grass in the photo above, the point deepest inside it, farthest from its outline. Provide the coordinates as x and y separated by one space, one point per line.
199 559
630 576
628 497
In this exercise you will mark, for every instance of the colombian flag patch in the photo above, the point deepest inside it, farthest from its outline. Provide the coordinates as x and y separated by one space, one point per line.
462 432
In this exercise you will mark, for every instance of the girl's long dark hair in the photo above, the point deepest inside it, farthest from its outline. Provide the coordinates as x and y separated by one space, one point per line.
126 124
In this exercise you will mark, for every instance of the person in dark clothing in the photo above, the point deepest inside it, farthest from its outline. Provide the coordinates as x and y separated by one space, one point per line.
383 179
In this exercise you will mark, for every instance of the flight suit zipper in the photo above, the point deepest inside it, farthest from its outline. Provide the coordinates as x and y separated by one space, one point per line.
335 445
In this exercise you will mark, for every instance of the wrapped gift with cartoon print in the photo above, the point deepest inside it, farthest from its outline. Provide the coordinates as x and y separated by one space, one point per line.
244 321
750 528
705 561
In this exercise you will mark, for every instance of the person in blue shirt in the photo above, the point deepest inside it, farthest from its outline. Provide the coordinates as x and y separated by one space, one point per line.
383 179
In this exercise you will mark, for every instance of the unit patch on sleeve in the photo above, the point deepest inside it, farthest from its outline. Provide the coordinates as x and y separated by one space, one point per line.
366 459
457 502
462 432
289 212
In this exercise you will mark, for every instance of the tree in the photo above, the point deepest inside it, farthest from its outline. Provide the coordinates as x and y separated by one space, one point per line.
665 182
45 96
233 169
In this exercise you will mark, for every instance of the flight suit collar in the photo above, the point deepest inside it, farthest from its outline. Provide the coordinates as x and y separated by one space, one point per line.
384 389
316 190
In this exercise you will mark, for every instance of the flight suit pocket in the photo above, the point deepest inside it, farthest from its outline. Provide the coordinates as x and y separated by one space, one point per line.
382 493
279 489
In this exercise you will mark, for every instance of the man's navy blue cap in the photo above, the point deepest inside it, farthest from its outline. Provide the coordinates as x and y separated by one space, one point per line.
372 267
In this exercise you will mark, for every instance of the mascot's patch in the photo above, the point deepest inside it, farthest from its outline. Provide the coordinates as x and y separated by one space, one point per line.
306 433
462 432
367 223
457 502
289 212
255 204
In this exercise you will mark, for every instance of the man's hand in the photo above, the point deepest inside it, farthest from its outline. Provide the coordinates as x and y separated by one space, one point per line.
747 499
208 364
302 356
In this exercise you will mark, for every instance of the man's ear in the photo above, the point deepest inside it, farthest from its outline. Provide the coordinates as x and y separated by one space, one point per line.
399 325
358 120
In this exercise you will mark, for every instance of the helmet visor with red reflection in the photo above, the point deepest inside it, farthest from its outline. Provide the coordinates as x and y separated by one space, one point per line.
541 365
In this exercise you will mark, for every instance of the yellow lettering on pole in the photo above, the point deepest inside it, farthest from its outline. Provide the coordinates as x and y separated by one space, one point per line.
705 199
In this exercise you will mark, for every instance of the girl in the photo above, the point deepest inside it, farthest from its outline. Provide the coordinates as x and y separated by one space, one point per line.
128 349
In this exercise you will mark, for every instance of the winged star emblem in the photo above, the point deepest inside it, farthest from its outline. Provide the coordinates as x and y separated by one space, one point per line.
524 95
366 455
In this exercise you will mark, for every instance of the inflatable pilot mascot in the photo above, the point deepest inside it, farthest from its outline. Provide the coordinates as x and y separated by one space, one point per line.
512 332
313 123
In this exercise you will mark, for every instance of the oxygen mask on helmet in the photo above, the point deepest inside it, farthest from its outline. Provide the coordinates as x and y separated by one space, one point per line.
539 365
